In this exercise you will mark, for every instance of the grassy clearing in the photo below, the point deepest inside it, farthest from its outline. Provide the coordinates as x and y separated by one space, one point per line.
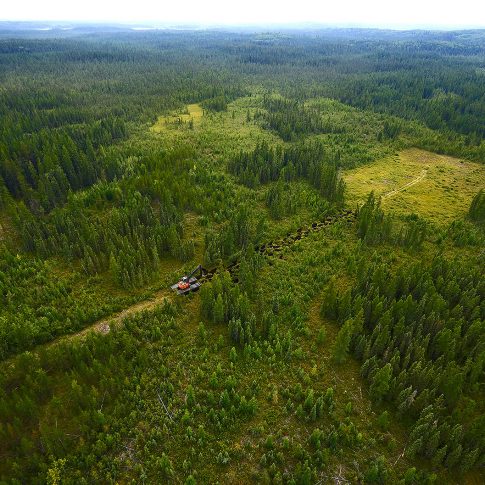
192 112
218 135
215 135
443 192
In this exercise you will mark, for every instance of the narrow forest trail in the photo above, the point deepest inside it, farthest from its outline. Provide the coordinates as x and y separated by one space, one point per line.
104 325
271 249
418 179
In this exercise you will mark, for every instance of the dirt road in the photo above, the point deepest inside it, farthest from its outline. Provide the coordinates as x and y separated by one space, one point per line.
418 179
103 326
271 249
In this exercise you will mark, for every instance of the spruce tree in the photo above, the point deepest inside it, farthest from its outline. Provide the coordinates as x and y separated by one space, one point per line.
381 383
342 342
477 208
218 311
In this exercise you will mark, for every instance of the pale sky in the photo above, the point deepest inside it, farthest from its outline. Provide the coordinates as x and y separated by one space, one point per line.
378 13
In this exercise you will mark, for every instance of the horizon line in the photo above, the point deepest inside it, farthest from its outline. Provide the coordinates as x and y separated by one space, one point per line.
167 25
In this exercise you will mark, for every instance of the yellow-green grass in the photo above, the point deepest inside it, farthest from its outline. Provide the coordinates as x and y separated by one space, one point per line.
437 187
215 135
8 233
193 112
3 229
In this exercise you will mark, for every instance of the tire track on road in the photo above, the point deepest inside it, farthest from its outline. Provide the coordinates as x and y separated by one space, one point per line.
418 179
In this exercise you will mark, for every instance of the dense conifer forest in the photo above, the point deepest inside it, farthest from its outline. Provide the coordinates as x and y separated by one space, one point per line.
331 185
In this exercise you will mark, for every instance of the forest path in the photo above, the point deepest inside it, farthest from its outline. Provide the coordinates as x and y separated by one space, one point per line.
104 325
271 249
418 179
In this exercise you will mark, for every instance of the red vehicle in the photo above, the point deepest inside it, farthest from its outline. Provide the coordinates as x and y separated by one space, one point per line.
189 282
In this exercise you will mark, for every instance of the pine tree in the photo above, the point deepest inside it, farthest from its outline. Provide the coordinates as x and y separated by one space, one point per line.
308 404
369 367
321 336
410 476
451 383
114 268
432 444
439 456
190 397
207 301
381 383
477 208
164 464
155 258
329 304
406 399
414 448
454 456
342 342
218 310
468 460
383 421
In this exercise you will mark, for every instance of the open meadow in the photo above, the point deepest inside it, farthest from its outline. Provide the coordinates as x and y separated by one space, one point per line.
437 187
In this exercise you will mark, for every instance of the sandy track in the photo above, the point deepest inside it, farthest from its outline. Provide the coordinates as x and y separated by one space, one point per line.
103 326
418 179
